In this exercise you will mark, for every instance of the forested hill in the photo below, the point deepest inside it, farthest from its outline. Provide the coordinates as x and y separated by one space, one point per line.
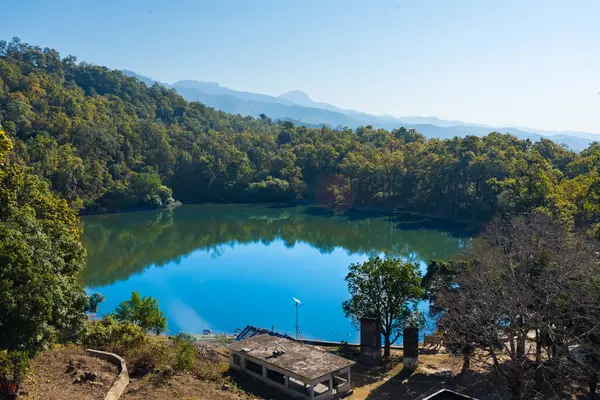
106 141
298 106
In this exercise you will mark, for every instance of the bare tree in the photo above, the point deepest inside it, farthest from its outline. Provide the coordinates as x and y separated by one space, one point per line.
525 305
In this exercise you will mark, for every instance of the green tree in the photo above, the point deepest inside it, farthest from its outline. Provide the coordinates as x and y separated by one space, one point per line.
385 288
108 142
142 311
41 256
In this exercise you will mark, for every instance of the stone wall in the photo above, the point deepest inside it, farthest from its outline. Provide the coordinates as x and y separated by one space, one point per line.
122 380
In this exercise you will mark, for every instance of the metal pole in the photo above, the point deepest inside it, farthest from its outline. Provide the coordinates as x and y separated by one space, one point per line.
297 327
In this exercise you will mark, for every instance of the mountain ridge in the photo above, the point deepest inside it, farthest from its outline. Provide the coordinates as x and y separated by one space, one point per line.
297 105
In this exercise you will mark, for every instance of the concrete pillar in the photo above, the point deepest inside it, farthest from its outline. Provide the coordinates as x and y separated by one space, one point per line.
312 391
411 347
349 378
370 340
287 381
330 385
264 372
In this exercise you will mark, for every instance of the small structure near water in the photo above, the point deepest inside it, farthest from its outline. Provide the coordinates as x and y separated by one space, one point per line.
251 331
295 368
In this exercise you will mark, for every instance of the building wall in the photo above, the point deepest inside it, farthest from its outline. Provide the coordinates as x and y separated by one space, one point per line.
294 393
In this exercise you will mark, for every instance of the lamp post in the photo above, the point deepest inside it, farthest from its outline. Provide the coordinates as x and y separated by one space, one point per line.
298 304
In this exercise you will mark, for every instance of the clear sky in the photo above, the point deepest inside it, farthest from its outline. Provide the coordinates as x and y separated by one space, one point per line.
529 63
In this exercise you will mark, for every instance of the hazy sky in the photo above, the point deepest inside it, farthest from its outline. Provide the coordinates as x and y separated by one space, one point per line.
508 62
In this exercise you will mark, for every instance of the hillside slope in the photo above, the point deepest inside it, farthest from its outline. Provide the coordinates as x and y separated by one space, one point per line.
108 142
298 106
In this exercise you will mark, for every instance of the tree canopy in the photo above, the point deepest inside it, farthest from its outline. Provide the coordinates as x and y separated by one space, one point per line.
108 142
41 256
142 311
385 288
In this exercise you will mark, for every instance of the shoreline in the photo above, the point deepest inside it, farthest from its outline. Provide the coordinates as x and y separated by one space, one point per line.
354 211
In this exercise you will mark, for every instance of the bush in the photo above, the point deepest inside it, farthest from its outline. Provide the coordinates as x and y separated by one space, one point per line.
150 355
111 335
14 365
210 371
185 354
595 232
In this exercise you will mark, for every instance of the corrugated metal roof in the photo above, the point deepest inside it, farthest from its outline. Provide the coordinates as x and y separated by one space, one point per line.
251 331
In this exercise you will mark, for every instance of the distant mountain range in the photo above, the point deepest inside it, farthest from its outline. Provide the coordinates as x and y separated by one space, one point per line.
297 106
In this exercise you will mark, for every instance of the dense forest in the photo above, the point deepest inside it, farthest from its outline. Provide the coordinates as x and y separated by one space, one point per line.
107 142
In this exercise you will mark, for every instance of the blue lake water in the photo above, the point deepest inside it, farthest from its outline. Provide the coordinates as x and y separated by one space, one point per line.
222 267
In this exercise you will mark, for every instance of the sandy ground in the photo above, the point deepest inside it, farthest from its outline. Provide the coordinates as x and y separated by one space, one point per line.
54 373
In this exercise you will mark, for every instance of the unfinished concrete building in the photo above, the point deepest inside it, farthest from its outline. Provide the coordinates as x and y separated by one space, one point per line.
297 369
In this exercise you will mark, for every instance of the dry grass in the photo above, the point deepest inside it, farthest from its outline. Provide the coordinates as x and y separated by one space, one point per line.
51 379
184 387
205 377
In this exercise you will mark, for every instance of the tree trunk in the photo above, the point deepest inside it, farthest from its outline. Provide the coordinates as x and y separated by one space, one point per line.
521 338
516 388
466 363
512 343
593 386
538 345
387 346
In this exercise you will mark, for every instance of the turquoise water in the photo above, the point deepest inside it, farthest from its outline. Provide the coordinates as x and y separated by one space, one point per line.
222 267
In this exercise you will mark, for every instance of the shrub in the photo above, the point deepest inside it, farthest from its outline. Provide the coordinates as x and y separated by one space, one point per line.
595 232
210 371
153 353
185 355
14 365
111 335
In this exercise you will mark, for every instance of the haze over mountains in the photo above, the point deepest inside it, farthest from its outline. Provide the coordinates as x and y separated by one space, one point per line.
297 106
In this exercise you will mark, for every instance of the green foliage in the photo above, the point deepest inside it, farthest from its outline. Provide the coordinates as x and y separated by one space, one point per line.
5 145
185 354
111 335
271 189
142 311
94 300
595 232
385 288
41 256
440 276
14 365
108 142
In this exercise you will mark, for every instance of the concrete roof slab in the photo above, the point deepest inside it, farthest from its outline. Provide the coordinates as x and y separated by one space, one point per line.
303 360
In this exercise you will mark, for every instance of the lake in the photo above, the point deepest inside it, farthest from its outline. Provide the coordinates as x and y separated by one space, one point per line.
223 267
